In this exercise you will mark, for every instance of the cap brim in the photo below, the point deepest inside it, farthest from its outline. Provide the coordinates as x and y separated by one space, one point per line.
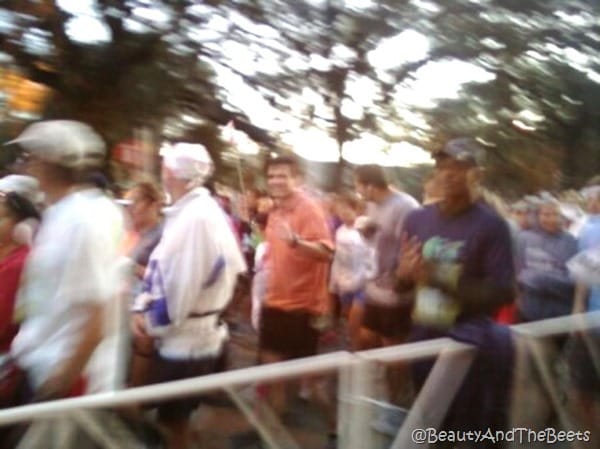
11 142
442 155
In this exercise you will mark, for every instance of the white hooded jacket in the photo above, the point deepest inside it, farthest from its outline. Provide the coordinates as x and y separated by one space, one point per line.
193 269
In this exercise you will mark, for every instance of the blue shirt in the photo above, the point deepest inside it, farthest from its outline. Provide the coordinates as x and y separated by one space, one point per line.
475 244
589 237
546 286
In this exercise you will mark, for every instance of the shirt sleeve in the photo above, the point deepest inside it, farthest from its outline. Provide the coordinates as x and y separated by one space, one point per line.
408 226
498 261
408 205
312 225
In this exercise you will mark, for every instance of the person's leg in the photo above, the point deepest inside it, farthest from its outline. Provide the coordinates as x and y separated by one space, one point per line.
355 318
276 339
142 356
174 415
396 326
276 392
369 336
179 434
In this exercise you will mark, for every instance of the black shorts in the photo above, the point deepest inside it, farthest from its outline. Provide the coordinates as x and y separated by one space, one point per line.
388 321
288 333
166 370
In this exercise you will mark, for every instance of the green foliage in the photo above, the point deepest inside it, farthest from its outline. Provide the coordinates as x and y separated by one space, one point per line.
534 107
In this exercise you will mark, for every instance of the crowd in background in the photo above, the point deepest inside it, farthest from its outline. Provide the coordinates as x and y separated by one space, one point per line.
370 265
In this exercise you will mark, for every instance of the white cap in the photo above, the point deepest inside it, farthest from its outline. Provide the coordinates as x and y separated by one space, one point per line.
591 192
188 161
26 186
571 212
67 143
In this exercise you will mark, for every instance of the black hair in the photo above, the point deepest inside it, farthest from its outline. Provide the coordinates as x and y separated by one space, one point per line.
20 207
288 161
98 180
371 175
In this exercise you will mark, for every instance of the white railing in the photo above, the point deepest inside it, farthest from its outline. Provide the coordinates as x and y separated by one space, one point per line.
356 385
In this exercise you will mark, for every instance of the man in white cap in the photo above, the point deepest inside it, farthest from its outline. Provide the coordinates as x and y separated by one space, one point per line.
190 279
69 283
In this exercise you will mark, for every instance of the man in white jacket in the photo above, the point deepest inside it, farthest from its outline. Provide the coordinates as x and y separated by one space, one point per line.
190 279
66 341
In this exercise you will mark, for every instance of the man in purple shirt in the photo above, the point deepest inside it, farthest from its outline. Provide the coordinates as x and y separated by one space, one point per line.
456 257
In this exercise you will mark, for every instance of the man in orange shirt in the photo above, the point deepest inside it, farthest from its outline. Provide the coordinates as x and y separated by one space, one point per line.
299 253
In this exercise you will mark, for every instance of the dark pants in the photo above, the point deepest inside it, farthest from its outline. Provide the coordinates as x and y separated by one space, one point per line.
166 370
483 399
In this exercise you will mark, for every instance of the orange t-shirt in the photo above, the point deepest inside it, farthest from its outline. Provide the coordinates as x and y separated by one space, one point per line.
297 281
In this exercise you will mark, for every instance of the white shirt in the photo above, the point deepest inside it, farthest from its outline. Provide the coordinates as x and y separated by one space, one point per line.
72 262
259 283
196 236
352 263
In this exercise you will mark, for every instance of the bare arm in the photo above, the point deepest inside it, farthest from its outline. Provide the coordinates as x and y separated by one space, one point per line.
315 250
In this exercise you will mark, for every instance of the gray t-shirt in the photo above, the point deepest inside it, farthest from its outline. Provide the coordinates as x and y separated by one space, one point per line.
389 217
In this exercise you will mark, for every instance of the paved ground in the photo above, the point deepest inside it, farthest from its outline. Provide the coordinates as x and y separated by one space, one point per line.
221 425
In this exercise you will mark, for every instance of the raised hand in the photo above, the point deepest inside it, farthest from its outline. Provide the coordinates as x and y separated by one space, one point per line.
410 261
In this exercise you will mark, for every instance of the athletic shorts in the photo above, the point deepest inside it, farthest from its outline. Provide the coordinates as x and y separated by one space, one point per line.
388 321
166 370
347 299
288 333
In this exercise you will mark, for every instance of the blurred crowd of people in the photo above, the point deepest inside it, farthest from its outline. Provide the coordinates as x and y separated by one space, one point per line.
97 292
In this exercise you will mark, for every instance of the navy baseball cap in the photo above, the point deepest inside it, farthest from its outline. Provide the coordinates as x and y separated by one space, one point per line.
463 149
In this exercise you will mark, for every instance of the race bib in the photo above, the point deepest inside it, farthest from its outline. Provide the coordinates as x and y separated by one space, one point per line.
434 308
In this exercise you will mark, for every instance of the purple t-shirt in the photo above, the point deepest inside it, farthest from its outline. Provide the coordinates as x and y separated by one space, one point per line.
475 244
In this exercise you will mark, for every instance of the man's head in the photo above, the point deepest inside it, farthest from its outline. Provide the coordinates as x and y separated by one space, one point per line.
143 201
458 170
432 191
549 216
521 213
60 153
14 209
26 186
282 173
370 181
592 199
184 167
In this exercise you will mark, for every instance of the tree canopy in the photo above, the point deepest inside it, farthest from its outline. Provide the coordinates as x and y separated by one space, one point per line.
381 76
